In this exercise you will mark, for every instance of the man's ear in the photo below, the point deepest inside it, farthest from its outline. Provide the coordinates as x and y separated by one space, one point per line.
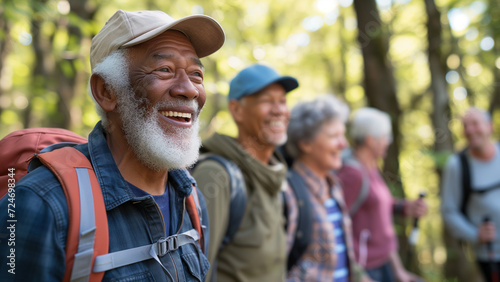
105 98
236 109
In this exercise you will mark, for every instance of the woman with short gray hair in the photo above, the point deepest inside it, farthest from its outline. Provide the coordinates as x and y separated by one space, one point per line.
369 200
315 141
370 122
308 118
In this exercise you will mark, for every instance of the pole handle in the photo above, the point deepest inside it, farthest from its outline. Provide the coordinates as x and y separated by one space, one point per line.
421 195
489 245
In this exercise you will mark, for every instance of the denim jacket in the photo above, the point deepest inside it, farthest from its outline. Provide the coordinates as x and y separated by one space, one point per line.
42 221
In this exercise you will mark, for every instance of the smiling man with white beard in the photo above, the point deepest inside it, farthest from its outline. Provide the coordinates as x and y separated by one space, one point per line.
147 83
257 251
156 149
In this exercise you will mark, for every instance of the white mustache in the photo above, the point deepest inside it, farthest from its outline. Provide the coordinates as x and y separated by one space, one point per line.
192 105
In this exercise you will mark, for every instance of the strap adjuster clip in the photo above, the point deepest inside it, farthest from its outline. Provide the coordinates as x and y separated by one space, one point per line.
168 244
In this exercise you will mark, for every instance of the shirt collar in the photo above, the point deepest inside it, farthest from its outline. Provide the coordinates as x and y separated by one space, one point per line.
318 187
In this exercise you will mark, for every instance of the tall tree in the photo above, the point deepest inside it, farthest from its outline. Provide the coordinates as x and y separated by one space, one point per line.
60 71
457 265
495 101
440 100
379 84
68 66
494 12
41 72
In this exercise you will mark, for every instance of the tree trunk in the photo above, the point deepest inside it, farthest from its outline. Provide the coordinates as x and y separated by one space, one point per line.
71 78
494 11
457 265
495 100
380 89
440 100
380 92
42 69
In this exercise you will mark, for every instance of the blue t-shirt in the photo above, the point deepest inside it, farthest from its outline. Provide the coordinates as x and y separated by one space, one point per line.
161 200
341 272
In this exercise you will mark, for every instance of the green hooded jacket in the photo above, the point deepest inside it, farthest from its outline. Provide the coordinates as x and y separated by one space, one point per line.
258 250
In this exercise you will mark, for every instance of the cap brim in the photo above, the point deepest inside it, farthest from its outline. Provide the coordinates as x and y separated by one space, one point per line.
204 32
289 83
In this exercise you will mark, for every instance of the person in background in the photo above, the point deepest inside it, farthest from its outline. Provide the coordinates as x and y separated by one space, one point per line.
468 223
316 138
257 252
375 241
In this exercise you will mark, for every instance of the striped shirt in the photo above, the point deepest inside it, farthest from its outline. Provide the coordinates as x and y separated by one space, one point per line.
341 272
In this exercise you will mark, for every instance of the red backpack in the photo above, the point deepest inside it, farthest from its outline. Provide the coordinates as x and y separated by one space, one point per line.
53 148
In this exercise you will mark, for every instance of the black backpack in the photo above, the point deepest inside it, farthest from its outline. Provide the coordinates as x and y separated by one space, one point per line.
238 196
467 183
303 234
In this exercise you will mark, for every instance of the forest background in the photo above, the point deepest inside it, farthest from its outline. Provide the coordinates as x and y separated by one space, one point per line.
422 61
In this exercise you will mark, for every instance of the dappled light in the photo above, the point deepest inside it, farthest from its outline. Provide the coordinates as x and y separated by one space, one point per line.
424 85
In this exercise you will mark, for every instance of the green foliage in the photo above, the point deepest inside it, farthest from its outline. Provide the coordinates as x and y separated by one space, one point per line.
315 41
439 158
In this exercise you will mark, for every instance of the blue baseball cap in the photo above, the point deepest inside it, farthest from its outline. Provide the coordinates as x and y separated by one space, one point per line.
255 78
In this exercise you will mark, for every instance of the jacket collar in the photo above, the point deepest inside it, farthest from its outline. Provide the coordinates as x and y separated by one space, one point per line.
270 177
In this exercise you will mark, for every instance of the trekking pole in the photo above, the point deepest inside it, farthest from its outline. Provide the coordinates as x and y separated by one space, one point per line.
491 256
413 238
414 232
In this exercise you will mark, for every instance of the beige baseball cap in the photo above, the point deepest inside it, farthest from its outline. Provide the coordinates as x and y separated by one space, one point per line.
125 29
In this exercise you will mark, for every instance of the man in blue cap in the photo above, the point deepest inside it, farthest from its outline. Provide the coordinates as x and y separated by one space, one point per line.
257 250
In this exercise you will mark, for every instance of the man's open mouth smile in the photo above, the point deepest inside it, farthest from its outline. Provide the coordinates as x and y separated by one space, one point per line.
179 118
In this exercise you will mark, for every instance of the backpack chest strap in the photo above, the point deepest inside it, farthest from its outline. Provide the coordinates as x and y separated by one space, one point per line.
158 249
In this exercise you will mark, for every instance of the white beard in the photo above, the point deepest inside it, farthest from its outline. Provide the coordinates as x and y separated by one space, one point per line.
151 145
277 141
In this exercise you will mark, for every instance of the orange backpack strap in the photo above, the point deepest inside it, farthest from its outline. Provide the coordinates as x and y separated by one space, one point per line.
194 211
88 234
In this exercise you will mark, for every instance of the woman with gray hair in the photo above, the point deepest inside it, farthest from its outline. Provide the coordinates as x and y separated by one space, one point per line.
315 141
369 200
